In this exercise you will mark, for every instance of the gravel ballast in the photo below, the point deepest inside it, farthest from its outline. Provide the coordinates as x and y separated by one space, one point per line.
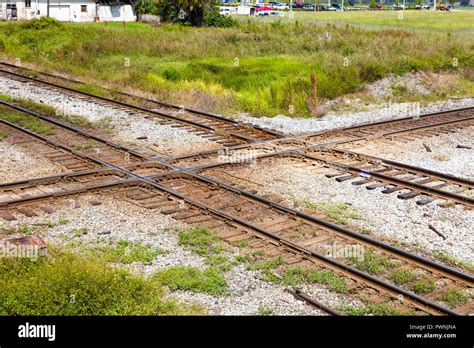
162 139
334 120
112 221
18 163
446 156
384 215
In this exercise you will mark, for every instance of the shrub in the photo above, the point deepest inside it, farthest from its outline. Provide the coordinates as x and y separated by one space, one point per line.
215 19
43 23
146 7
68 284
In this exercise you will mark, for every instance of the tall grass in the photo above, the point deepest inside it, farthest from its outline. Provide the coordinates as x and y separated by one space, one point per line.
260 68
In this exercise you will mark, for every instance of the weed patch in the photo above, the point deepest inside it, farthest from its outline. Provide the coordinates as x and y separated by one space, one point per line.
68 284
209 281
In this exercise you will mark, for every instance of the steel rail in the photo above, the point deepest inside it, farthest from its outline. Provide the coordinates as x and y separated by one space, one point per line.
433 125
302 296
289 243
410 168
331 226
159 102
395 181
76 130
135 107
33 199
386 122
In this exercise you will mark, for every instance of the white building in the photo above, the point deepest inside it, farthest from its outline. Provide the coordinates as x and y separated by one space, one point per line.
67 10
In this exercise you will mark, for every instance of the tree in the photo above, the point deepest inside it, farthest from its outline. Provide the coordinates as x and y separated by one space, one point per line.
185 11
146 7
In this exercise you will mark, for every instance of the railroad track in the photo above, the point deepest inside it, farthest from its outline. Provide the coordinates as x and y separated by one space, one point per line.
237 215
74 140
232 133
391 177
297 238
405 129
213 127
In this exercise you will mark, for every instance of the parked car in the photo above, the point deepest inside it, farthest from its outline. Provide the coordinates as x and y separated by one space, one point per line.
398 6
224 11
328 8
308 7
422 7
297 5
281 6
336 6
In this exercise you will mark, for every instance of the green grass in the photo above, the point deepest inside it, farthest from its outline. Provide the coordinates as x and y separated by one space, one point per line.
25 121
377 309
219 262
199 240
450 259
127 252
372 263
424 286
261 66
264 312
293 276
341 213
454 297
419 21
401 277
209 281
335 283
3 134
267 267
68 284
243 258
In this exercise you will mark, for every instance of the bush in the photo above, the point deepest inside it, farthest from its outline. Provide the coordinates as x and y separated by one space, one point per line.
68 284
146 7
215 19
43 23
167 11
